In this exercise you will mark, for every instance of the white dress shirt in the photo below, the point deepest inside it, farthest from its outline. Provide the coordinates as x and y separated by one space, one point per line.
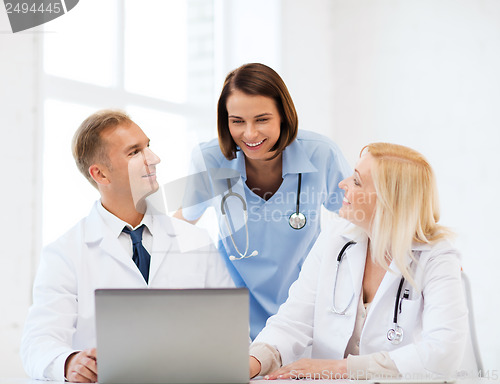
116 226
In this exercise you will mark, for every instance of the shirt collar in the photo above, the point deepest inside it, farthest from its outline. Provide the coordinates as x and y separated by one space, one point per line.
239 164
295 160
116 224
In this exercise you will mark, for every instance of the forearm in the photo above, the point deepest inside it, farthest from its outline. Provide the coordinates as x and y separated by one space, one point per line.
268 357
47 338
179 215
50 325
44 359
364 367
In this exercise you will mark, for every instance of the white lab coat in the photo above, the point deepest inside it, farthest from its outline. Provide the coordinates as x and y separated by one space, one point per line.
434 319
62 319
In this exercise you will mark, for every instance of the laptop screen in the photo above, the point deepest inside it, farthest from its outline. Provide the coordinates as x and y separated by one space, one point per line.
172 335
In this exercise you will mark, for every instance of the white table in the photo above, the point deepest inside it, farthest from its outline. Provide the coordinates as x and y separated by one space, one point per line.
491 380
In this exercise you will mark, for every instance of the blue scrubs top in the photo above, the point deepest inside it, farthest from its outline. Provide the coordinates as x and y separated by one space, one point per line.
281 249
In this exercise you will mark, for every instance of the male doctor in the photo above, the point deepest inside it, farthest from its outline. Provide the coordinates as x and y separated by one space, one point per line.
122 243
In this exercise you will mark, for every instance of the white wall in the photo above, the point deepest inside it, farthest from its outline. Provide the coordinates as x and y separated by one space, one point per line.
420 73
20 189
246 32
307 60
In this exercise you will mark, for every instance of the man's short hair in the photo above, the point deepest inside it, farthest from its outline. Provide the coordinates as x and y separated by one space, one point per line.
88 147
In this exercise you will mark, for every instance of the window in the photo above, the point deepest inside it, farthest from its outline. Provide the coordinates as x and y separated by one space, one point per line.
152 58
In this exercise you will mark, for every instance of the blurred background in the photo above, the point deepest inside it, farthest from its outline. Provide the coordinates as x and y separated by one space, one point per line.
422 73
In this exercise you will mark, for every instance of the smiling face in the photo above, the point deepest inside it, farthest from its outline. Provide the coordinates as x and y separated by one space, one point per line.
132 165
254 124
360 197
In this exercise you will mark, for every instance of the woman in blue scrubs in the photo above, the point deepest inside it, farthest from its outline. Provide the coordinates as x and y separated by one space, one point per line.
267 182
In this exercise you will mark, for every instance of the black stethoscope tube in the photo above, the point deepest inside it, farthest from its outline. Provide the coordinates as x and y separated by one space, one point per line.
297 220
298 194
394 335
342 251
334 308
397 304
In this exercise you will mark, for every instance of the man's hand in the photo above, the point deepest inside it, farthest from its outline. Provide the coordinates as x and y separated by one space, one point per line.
81 367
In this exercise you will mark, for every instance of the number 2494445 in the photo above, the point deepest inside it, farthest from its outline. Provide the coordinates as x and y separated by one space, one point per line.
33 8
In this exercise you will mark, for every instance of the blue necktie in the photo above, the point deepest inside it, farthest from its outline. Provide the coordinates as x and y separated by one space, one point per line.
141 257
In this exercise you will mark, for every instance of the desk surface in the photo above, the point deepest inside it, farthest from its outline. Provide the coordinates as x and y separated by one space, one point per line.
459 381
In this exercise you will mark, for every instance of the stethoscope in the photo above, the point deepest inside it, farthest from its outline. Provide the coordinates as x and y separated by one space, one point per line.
395 334
297 219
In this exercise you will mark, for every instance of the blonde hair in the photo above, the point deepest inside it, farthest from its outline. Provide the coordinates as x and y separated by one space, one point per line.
407 207
88 146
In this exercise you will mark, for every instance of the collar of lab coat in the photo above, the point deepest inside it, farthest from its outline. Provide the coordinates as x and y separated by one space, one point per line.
356 257
355 233
97 231
116 225
99 219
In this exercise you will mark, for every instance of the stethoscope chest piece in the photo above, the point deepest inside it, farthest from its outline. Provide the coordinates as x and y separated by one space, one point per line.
395 335
297 220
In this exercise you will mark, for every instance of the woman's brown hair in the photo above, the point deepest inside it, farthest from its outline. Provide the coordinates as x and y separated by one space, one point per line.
258 80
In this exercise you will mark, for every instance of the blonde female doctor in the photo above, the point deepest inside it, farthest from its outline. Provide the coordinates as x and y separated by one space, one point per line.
380 296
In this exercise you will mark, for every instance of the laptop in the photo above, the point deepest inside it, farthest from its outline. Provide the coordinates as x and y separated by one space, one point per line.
172 336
